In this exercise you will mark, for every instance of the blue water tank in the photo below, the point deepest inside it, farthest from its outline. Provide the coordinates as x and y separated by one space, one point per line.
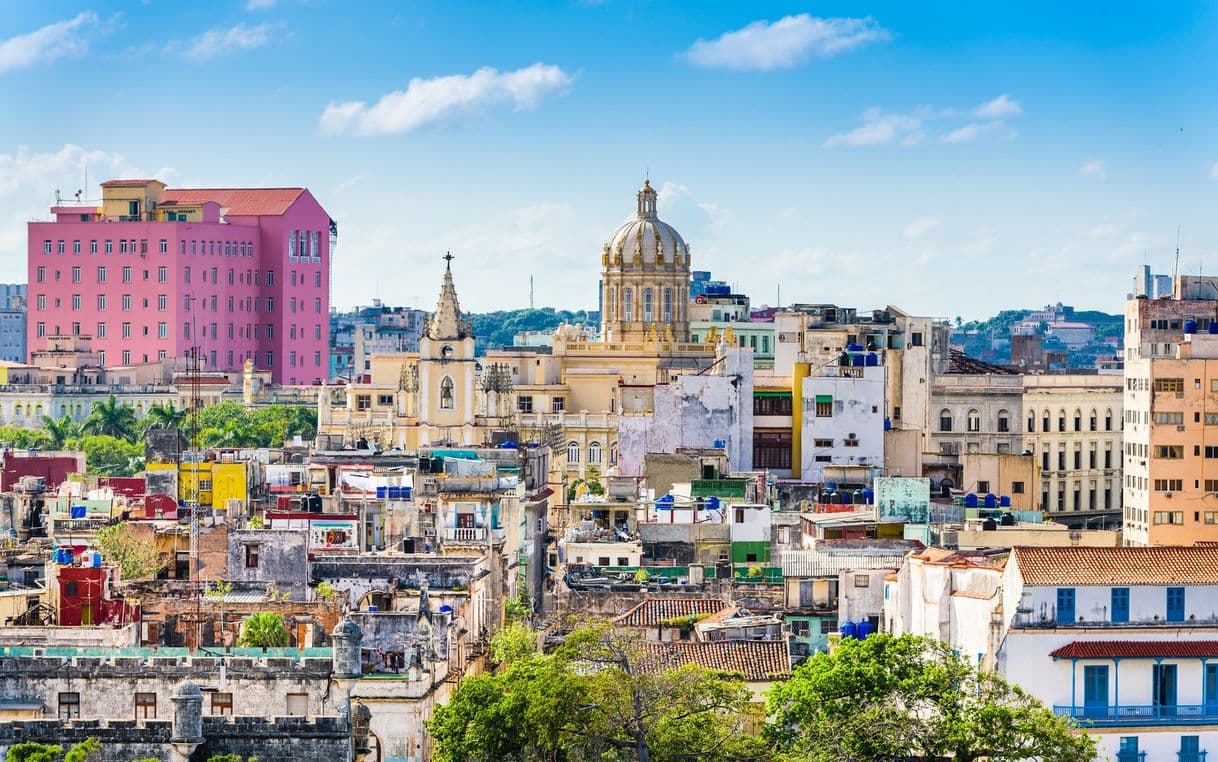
887 423
664 503
873 360
394 493
406 493
841 498
865 628
712 503
831 486
78 511
970 500
720 444
1213 327
446 609
849 630
869 495
991 500
1004 501
374 608
97 559
1190 326
382 492
858 360
855 348
508 445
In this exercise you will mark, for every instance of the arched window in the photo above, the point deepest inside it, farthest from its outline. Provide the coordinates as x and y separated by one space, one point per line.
648 306
1108 420
1031 421
18 411
1095 421
668 305
572 452
594 452
1078 419
446 394
1061 420
610 302
945 420
1004 421
628 305
974 421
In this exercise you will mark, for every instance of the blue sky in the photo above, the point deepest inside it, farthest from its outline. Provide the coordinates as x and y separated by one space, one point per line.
953 159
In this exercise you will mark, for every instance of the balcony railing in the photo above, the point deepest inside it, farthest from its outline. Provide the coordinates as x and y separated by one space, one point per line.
1141 714
465 534
1131 756
1191 756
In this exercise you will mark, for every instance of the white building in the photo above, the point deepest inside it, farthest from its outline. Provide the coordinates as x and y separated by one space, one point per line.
1125 640
843 420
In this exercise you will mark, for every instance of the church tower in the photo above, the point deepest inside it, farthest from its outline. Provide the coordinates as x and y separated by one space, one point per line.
447 370
645 278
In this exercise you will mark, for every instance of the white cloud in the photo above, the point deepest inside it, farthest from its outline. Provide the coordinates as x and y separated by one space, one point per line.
788 42
23 169
218 42
63 39
680 207
921 227
977 131
880 128
440 99
1214 171
1094 168
1002 107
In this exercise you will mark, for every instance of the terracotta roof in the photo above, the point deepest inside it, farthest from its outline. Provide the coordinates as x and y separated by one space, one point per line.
1167 565
129 183
1133 649
238 201
653 611
755 660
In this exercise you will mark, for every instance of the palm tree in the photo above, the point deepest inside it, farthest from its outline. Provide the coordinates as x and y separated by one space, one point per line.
112 418
263 629
163 415
58 432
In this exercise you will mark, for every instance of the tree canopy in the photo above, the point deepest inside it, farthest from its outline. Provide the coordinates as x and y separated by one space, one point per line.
886 698
498 329
263 629
596 698
136 555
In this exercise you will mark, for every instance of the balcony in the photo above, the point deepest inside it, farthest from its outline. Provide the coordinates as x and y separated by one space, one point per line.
1131 756
1191 756
1127 715
465 534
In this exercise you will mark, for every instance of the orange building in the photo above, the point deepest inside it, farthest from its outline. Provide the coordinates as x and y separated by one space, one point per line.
1171 443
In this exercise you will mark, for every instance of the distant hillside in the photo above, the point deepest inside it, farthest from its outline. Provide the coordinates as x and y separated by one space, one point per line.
496 329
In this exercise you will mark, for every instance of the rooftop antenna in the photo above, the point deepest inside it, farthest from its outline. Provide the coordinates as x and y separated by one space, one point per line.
530 291
1175 271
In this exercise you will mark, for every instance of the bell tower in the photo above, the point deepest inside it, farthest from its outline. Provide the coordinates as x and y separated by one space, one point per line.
446 370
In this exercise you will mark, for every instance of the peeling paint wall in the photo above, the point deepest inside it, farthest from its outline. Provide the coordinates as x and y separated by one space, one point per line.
853 435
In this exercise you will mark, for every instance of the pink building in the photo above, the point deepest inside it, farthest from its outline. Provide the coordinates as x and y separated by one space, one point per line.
239 273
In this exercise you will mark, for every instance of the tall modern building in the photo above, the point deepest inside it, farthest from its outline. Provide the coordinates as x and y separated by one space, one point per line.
238 273
12 322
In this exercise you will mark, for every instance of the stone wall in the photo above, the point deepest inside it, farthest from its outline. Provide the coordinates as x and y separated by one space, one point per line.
283 558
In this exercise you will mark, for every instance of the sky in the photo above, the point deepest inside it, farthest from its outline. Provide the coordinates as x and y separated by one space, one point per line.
953 159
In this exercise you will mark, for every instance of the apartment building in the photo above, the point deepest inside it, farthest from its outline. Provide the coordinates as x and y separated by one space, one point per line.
152 272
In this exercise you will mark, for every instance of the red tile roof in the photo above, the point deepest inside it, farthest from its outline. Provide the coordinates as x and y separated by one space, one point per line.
755 660
242 202
1133 649
1168 565
654 611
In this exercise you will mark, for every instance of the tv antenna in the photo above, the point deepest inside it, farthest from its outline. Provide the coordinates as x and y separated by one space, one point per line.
530 291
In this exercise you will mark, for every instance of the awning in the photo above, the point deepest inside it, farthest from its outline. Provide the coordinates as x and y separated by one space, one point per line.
1138 649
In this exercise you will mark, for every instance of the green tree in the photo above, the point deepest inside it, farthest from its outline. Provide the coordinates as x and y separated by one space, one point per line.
23 439
263 629
886 698
163 415
59 432
106 455
136 555
88 749
514 642
598 696
112 418
230 758
30 751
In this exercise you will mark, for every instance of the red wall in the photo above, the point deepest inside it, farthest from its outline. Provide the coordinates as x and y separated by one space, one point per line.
53 468
90 582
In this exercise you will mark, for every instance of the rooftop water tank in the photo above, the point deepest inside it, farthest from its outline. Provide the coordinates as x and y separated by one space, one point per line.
858 360
865 628
873 360
855 348
869 495
849 630
1004 501
970 500
991 500
1190 327
1213 327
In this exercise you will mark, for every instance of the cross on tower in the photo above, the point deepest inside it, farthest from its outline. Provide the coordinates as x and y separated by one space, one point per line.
448 260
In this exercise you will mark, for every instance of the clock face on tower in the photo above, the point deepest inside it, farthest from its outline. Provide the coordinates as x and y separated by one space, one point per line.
446 351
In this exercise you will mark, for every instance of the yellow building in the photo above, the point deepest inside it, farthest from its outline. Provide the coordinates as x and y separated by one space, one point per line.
217 483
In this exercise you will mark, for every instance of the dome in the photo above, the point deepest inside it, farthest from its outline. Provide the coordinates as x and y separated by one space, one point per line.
347 628
187 689
647 238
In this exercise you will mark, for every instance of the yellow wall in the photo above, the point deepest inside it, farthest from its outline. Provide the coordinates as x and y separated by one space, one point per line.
227 480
